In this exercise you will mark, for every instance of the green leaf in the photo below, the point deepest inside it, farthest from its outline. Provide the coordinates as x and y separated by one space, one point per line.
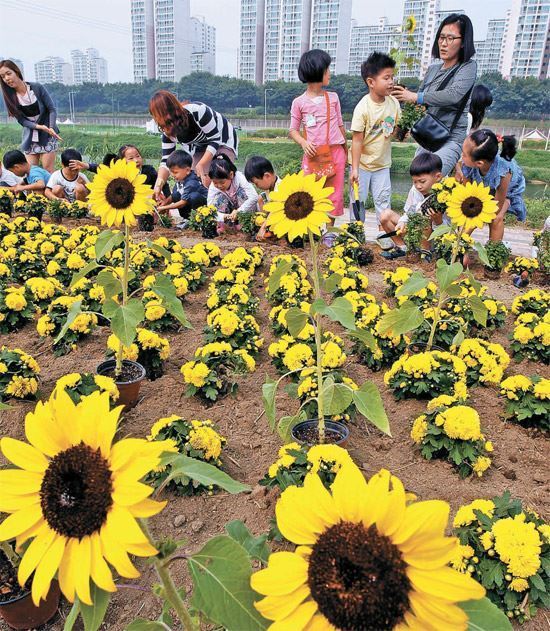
92 615
112 286
332 282
414 283
125 320
159 250
478 309
89 267
256 547
221 577
402 320
204 473
296 319
140 624
447 274
286 423
483 615
165 290
369 403
336 397
74 310
454 290
440 231
340 310
364 336
106 242
283 267
458 338
73 615
269 392
482 252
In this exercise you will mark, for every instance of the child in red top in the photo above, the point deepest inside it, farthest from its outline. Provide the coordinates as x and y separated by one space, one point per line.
309 112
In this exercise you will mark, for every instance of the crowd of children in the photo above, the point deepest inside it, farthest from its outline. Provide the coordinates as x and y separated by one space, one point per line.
317 127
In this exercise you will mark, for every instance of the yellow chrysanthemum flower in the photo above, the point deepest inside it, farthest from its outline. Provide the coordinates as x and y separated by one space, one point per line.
363 554
77 496
471 206
118 194
300 204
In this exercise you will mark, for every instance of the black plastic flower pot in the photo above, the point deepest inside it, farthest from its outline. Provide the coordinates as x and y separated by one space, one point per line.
210 231
21 613
146 223
307 433
36 214
128 382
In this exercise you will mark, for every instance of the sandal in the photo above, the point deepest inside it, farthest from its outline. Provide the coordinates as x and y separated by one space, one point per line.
394 253
426 256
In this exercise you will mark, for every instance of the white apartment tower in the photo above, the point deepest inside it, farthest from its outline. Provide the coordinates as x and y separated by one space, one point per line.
331 31
366 39
489 53
89 67
203 52
530 33
251 50
53 70
172 39
143 39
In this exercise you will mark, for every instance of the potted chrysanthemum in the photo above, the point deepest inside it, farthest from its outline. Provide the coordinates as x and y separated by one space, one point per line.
300 208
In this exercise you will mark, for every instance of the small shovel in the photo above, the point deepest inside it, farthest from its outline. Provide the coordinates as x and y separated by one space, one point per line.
357 206
384 240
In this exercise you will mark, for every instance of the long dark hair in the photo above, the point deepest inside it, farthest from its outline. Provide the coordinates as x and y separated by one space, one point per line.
467 50
482 98
167 110
10 97
487 145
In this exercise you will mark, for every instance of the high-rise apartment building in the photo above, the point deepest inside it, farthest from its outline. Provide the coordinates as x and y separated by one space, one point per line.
143 39
88 66
490 51
203 48
172 39
275 33
53 70
366 39
529 35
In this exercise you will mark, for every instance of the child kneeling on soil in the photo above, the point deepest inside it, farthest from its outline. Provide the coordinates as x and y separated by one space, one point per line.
229 192
68 182
425 171
261 173
189 192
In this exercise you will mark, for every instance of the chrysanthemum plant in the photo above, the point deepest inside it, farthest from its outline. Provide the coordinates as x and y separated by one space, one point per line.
299 208
469 206
118 196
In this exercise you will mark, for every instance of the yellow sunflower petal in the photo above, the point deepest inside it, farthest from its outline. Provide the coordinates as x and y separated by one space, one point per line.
350 506
387 523
422 520
445 583
146 508
13 503
99 570
47 567
20 521
67 569
437 612
23 455
431 553
82 569
34 553
127 493
278 607
285 573
116 556
123 527
319 623
298 619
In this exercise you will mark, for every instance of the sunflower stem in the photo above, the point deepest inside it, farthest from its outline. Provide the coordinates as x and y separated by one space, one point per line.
318 336
170 590
126 269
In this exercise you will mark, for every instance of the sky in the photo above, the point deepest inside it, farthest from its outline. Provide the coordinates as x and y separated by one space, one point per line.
33 29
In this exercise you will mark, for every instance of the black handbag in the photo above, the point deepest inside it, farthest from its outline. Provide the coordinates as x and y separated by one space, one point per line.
429 132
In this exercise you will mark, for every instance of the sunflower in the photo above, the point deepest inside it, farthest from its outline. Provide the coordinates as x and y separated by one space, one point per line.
471 205
365 560
77 496
410 24
118 194
299 205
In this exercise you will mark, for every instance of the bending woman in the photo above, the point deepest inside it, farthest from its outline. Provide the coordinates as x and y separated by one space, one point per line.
33 108
454 46
201 131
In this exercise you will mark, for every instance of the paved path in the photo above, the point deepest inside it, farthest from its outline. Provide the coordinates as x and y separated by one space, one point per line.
519 239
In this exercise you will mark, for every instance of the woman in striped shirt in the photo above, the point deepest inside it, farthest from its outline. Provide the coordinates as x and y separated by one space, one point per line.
201 131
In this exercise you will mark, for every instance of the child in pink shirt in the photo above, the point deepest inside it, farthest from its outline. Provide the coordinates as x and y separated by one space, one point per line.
309 112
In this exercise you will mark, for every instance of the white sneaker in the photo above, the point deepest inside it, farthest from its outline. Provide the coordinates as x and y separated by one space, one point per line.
385 243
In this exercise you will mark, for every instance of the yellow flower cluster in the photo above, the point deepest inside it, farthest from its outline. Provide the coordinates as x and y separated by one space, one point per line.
485 361
423 364
460 421
43 288
195 373
518 544
20 387
81 383
203 437
522 264
14 298
465 514
532 301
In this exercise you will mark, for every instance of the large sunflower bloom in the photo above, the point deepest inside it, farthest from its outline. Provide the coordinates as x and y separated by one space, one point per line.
77 496
366 560
118 194
471 205
300 203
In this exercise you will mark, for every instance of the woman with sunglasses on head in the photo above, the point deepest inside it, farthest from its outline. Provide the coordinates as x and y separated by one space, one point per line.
200 130
446 88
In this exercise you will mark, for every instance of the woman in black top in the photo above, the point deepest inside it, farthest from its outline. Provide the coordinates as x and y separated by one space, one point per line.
33 108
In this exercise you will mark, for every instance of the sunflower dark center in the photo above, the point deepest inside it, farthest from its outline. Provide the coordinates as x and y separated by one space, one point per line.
298 205
357 577
120 193
76 491
472 207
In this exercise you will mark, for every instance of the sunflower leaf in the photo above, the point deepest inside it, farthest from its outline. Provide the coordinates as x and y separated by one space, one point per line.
74 310
483 615
402 320
106 242
447 274
204 473
369 403
296 319
364 336
414 283
283 267
337 397
125 320
112 285
165 290
92 615
482 252
89 267
73 615
221 576
340 310
286 423
439 231
269 392
159 250
478 309
256 547
332 282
